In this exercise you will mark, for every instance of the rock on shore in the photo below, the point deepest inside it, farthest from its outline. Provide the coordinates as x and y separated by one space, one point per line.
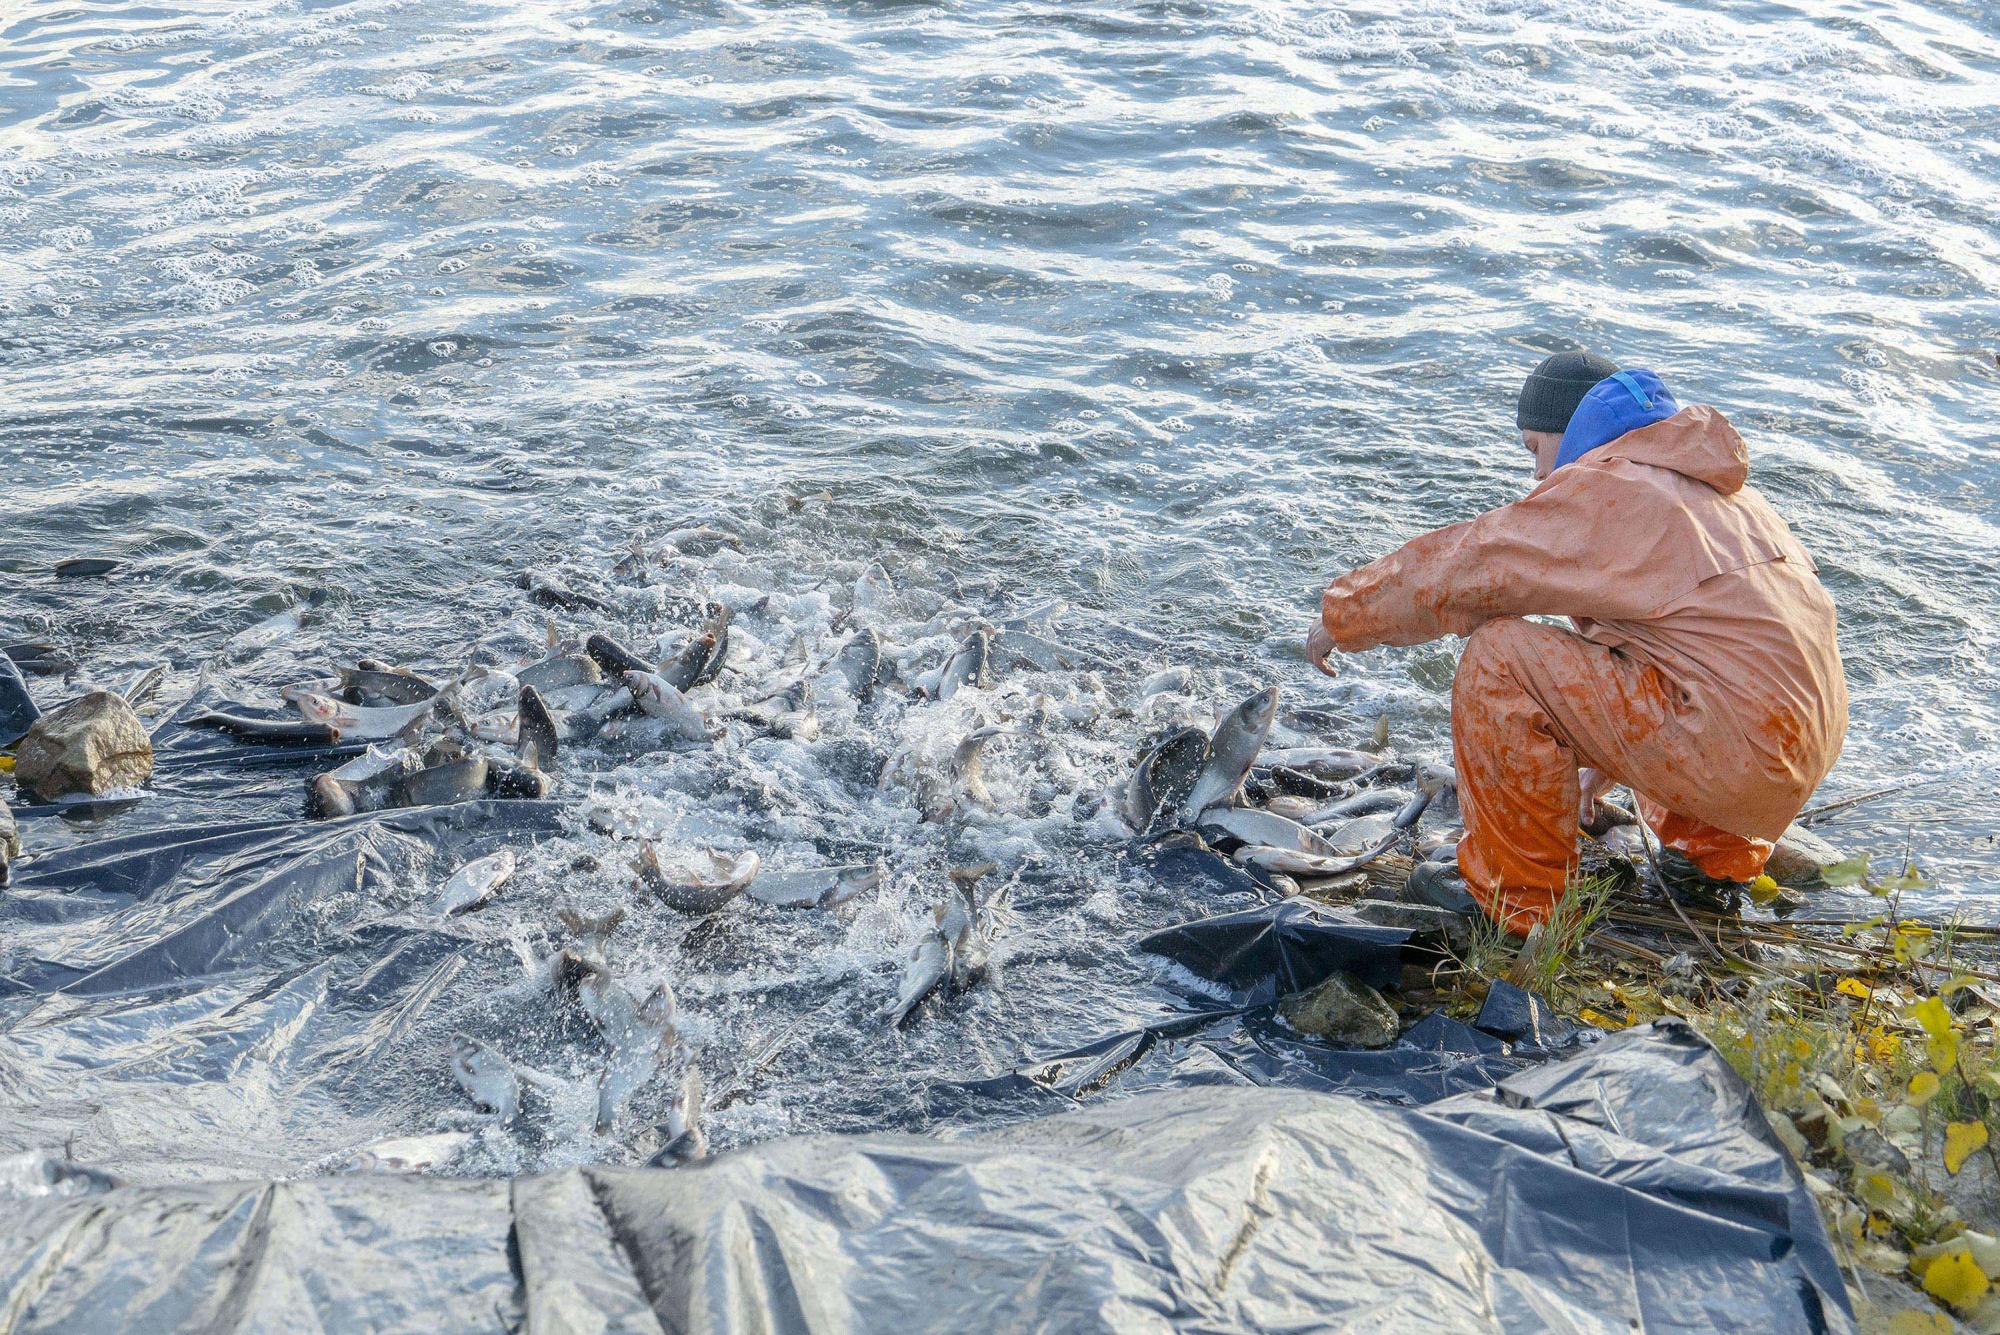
92 746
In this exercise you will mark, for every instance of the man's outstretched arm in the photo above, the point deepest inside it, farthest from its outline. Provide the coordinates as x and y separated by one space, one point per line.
1580 545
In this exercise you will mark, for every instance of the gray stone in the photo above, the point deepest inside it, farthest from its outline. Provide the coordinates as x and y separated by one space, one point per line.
1342 1010
1347 885
1800 856
93 745
1440 885
1624 841
1428 925
10 842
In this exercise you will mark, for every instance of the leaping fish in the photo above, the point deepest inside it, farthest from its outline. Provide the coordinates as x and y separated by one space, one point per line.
475 883
638 1042
814 887
1232 748
487 1078
730 876
660 699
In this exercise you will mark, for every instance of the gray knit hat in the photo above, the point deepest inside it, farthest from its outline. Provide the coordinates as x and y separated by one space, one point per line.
1555 388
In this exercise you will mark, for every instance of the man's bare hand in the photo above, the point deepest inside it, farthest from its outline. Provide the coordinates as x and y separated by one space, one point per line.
1593 785
1319 645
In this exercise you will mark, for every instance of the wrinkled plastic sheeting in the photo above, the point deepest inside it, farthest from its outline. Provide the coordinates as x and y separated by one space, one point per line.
1635 1187
233 998
1266 952
1433 1059
170 907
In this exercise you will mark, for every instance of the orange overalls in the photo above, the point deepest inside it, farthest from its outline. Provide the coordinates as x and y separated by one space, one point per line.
1702 672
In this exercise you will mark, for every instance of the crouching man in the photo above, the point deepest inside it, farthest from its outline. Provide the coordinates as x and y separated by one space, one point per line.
1702 670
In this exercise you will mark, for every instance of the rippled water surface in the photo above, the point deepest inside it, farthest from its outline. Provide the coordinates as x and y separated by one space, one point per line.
1170 310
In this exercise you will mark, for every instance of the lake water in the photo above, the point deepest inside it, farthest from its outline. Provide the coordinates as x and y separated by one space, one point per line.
1169 310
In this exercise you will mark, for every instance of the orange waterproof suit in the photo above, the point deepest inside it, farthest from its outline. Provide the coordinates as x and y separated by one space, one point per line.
1702 672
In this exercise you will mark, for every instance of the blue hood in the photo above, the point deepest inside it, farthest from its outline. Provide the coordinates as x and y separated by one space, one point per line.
1621 402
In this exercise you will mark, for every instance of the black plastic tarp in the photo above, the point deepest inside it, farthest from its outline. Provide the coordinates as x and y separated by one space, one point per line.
1634 1187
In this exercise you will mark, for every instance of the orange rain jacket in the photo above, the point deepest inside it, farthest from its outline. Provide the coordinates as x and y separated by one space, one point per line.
1708 680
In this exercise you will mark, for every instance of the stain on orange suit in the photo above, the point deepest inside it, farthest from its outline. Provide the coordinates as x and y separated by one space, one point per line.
1702 670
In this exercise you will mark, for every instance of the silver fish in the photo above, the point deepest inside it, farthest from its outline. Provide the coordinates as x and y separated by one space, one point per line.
1292 862
487 1078
1165 776
503 728
144 686
1264 827
358 721
593 935
968 945
1040 653
1033 619
716 632
814 887
638 1043
535 729
1232 748
365 782
728 878
1167 681
441 785
967 667
685 668
409 1154
873 591
1332 763
555 673
1290 807
702 541
949 948
659 698
603 998
271 630
474 883
966 778
860 662
1367 802
927 963
387 687
686 1141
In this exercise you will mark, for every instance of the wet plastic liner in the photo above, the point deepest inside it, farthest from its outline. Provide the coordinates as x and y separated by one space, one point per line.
1634 1187
1208 1171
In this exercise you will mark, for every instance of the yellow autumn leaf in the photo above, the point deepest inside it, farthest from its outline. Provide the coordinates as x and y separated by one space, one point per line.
1923 1088
1912 943
1961 1141
1852 871
1883 1045
1590 1015
1956 1278
1877 1190
1942 1051
1857 928
1933 1015
1762 890
1919 1321
1911 879
1855 988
